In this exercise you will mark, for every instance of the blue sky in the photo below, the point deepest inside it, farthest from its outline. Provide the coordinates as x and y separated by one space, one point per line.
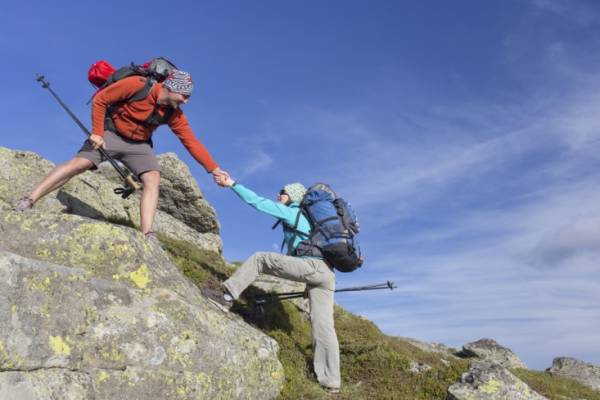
465 134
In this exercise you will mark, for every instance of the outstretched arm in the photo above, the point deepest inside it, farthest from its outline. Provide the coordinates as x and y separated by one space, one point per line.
262 204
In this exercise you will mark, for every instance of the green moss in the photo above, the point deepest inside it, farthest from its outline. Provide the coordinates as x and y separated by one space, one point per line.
555 387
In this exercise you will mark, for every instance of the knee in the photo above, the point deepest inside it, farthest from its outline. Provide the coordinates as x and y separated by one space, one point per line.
151 178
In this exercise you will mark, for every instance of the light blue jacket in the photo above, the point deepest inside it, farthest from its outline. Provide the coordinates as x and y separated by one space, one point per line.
287 214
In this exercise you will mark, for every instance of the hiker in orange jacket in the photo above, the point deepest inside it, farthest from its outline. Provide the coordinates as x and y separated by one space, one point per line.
124 130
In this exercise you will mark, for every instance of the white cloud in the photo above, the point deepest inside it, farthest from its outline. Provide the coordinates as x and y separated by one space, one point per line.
255 160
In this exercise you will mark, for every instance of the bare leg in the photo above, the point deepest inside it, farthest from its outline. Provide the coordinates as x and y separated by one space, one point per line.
59 176
149 200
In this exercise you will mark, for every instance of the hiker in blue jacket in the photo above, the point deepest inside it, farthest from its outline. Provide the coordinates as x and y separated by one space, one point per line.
314 271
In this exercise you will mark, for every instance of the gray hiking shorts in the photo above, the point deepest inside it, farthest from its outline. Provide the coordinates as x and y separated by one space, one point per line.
137 156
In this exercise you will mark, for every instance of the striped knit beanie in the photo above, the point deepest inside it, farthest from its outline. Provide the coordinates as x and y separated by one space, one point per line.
296 191
179 82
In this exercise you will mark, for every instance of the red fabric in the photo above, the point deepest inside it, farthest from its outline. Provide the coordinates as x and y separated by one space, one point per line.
99 72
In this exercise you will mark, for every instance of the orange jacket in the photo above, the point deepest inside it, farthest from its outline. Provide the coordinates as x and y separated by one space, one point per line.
128 117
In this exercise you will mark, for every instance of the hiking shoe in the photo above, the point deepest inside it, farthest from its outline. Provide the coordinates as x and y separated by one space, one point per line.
331 390
26 203
218 296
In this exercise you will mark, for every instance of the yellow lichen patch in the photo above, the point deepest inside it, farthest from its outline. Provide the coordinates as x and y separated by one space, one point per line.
45 310
491 387
102 377
74 277
182 391
43 253
112 355
13 309
141 277
26 225
5 361
38 284
203 380
122 249
12 218
59 346
116 277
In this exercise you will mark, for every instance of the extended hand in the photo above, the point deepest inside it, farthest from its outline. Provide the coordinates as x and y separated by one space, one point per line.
222 178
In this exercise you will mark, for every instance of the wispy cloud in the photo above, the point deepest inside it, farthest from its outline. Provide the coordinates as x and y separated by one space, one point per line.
255 160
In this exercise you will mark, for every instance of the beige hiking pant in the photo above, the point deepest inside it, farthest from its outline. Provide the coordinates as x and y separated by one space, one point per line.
320 282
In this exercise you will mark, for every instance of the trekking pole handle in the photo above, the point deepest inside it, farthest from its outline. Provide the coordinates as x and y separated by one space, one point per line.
132 183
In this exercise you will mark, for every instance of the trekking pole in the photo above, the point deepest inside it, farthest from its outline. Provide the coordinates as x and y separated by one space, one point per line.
269 297
128 177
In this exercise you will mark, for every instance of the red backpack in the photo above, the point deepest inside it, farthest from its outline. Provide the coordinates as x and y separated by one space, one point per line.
102 73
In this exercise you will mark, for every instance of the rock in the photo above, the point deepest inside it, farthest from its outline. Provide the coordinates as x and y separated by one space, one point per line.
489 350
20 171
489 381
432 347
91 195
585 373
90 308
181 197
119 328
418 368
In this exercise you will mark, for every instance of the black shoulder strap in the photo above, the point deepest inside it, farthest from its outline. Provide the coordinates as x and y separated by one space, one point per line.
143 92
293 229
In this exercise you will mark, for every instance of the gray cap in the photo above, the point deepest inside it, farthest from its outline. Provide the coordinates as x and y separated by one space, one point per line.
296 191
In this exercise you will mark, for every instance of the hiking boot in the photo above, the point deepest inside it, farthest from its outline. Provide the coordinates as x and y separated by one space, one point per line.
331 390
218 296
25 203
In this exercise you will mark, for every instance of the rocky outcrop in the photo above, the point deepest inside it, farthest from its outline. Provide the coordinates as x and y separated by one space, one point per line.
585 373
90 308
91 195
103 302
490 350
489 381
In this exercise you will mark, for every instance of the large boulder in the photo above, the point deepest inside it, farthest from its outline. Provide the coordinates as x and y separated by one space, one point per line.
180 195
585 373
93 310
490 350
489 381
91 195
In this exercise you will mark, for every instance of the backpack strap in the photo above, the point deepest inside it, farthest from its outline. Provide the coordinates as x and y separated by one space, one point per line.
153 119
156 119
293 229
